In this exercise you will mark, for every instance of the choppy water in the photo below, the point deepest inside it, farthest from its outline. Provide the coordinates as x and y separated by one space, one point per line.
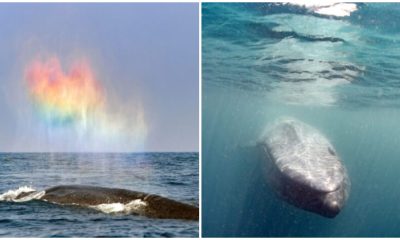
338 74
173 175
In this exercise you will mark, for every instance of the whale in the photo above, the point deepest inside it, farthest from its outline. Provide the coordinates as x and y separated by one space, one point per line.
303 168
138 203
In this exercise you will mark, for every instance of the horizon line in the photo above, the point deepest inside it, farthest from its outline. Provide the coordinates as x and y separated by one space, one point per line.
99 152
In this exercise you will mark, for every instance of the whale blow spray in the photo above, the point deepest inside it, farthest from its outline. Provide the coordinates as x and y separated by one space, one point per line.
74 107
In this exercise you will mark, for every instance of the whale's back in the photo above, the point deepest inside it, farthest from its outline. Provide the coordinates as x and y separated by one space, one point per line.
90 195
150 205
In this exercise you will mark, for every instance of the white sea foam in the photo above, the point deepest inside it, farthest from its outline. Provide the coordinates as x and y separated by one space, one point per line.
11 195
34 195
136 206
330 8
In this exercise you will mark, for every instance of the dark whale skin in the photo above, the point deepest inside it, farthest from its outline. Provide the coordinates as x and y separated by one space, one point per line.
156 206
303 168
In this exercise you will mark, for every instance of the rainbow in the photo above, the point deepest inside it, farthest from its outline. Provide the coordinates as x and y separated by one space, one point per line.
76 100
64 98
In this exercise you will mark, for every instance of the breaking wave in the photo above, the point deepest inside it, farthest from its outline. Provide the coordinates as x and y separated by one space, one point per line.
11 195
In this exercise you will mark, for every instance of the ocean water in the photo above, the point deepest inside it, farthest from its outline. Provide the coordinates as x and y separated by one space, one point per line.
172 175
339 74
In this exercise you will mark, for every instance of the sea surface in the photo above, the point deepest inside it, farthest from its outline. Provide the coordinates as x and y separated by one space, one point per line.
172 175
338 73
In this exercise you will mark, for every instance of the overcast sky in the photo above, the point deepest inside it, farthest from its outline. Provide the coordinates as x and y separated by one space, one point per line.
143 54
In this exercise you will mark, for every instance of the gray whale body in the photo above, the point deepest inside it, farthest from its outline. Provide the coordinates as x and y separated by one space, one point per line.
150 205
303 168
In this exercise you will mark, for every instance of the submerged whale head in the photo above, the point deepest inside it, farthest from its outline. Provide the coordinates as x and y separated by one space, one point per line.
304 168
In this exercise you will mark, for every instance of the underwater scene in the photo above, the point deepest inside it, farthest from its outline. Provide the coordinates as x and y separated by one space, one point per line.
300 120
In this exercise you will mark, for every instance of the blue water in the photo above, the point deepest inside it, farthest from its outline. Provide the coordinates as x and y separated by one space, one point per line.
173 175
262 61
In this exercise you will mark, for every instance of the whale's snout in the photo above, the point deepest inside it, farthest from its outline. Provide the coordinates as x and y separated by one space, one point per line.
333 202
331 209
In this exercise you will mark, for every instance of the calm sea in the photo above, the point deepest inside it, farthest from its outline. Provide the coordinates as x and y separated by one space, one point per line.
172 175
